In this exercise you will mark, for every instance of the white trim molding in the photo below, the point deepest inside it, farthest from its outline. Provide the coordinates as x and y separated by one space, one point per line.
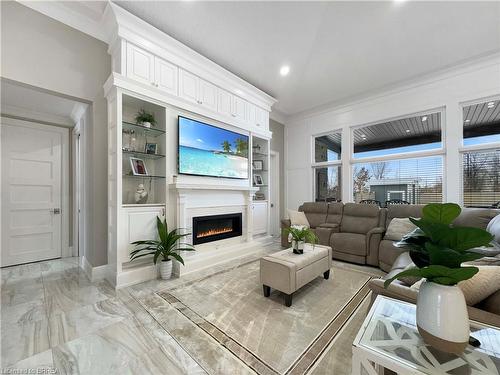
93 273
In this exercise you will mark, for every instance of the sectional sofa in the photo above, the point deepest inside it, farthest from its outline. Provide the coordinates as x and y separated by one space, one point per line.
357 234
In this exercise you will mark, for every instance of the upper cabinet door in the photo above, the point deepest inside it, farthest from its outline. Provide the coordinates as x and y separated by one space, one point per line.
166 75
224 103
239 109
189 86
208 95
251 113
140 64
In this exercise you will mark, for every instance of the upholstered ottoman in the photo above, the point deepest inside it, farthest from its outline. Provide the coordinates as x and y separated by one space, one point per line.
287 272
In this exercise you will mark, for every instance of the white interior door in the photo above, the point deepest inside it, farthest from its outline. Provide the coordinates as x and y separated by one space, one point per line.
32 195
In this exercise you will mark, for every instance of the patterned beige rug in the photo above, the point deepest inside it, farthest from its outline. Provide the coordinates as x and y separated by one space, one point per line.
263 333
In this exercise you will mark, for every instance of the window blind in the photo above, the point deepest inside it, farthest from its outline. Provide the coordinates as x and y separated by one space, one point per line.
481 178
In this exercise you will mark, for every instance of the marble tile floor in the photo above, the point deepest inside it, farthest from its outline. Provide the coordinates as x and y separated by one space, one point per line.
53 317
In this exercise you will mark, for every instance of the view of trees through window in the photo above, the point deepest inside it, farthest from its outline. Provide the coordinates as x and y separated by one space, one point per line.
327 183
481 178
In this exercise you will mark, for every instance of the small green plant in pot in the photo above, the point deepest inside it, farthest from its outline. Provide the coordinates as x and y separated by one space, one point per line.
165 248
299 235
145 118
438 250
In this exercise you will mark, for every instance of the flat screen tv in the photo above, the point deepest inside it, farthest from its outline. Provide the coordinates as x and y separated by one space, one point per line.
206 150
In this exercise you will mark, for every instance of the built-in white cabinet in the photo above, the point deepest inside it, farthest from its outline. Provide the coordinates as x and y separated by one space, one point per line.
140 64
189 86
166 76
208 95
239 110
224 103
260 216
261 118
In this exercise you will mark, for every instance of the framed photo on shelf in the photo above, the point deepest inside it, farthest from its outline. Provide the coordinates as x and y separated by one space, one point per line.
257 180
138 167
258 165
151 148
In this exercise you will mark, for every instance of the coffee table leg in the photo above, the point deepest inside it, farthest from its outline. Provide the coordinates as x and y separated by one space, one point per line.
267 290
326 275
288 300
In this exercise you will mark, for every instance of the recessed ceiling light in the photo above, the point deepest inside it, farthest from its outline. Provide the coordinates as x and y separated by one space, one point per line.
424 118
491 104
407 130
467 120
363 136
284 70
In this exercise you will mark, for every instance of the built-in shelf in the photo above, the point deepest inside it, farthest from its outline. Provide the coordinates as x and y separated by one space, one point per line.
260 154
139 128
139 176
143 154
259 186
256 171
144 205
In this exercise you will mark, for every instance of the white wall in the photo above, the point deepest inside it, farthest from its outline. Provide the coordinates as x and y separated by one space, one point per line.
41 52
448 89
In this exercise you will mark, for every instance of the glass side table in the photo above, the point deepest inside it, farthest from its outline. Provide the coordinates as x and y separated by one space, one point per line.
389 339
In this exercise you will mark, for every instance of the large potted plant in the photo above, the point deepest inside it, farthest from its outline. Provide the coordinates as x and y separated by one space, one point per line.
299 235
145 118
438 250
166 247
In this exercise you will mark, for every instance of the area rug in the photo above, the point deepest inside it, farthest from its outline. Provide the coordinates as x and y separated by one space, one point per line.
267 336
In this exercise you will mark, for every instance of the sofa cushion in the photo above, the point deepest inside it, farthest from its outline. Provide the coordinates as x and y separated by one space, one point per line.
298 218
403 211
335 210
359 218
351 243
316 212
388 253
475 217
398 227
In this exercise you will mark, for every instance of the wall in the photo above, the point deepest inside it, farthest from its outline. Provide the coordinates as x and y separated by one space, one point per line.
278 145
39 51
447 90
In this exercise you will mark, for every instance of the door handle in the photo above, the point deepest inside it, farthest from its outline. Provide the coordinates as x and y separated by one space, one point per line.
272 205
55 211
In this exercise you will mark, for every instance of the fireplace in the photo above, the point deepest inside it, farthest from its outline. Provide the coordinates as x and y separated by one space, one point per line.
216 227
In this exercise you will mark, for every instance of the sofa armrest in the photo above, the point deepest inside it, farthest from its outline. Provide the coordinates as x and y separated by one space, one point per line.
323 234
373 238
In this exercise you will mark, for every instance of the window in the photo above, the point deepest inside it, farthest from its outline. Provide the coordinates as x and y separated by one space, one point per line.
481 123
327 184
481 162
411 134
326 165
416 181
405 163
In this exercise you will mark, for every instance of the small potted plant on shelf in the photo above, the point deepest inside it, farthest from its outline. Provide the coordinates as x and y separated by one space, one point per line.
165 248
299 235
145 118
438 250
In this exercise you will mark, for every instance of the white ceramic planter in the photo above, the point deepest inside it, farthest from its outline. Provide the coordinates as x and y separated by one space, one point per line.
166 269
442 318
298 246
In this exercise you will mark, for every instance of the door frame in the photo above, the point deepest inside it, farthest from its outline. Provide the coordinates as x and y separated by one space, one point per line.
65 131
275 192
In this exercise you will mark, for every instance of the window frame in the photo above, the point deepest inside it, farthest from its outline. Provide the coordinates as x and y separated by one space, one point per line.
485 147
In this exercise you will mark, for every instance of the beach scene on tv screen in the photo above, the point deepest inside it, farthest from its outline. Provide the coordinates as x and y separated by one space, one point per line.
210 151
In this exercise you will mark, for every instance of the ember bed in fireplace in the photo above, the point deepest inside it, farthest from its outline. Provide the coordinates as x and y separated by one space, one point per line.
216 227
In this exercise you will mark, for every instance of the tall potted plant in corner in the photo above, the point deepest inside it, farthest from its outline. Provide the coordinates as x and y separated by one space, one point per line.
300 235
165 248
145 118
438 250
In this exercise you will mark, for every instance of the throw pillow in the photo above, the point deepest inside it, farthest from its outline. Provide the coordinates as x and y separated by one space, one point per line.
398 227
482 285
298 218
494 228
410 280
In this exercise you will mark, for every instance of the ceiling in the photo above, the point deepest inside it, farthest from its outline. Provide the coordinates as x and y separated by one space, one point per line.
335 50
31 103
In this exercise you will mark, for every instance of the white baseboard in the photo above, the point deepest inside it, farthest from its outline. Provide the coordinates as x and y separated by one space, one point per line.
93 273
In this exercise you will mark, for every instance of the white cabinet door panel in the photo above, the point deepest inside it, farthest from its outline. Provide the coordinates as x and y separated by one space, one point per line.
208 95
189 86
140 64
259 217
239 109
166 75
251 114
224 102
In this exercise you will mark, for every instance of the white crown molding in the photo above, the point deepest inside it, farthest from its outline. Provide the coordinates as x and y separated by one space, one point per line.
421 80
278 116
31 115
75 14
77 112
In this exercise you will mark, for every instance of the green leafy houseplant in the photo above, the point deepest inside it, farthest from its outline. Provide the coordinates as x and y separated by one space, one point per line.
166 246
300 234
438 248
144 117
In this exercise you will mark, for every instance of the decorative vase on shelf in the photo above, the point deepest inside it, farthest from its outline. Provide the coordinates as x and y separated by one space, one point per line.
146 124
298 247
140 195
442 317
166 269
